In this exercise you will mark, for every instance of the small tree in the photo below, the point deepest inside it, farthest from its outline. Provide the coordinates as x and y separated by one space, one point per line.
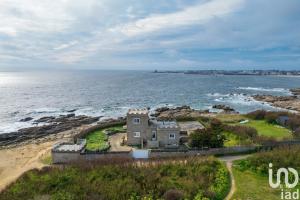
207 138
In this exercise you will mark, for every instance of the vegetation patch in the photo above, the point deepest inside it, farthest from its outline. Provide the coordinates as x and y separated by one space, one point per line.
269 130
189 178
96 141
251 174
250 185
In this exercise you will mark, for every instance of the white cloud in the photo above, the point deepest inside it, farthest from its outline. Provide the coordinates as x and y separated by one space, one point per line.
192 15
66 45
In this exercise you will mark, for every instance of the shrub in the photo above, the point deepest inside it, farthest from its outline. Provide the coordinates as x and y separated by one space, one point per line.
293 122
244 132
206 138
174 178
173 195
297 133
279 157
271 117
257 115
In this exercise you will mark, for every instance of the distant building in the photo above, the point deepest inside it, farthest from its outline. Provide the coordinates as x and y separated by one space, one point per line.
141 130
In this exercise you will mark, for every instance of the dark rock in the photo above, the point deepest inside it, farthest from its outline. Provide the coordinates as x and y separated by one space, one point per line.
224 107
73 110
26 119
44 119
295 91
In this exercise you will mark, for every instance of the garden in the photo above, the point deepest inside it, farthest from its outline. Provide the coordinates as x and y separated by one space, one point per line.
98 140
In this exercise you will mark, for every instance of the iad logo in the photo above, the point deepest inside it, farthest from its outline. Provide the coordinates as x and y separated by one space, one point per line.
283 172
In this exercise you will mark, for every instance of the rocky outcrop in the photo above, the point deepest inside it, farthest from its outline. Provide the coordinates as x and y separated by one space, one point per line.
286 102
178 112
26 119
54 125
295 91
225 108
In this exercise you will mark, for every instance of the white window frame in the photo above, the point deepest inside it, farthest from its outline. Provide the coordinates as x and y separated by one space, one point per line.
136 120
172 138
136 134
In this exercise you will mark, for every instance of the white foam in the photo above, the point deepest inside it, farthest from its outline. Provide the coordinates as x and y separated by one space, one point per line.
282 90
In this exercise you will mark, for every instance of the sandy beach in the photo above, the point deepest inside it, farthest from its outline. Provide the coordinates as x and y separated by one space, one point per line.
17 160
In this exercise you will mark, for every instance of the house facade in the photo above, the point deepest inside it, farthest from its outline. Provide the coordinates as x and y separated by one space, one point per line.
150 132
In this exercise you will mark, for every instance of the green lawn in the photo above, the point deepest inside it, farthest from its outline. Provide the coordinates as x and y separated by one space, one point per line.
270 130
96 140
249 185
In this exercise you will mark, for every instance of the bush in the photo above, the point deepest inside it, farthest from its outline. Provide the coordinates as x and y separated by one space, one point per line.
206 138
293 122
297 133
173 195
244 132
279 157
111 178
271 117
257 115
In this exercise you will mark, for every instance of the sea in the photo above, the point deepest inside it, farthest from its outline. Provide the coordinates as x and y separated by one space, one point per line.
111 93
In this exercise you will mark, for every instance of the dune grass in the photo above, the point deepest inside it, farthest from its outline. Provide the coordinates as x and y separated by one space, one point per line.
193 178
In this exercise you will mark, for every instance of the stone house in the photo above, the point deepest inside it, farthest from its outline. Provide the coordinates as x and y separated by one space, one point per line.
150 132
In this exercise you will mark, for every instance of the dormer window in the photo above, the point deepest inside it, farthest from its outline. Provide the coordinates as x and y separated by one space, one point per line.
136 120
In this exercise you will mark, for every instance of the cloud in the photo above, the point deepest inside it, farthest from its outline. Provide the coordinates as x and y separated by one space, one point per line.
66 45
198 14
141 34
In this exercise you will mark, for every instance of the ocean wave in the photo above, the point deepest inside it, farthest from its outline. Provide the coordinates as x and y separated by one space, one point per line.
239 99
283 90
216 94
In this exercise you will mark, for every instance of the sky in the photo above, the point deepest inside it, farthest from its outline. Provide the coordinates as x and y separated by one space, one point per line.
150 34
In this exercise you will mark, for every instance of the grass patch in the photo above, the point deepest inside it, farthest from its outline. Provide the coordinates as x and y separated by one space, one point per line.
250 185
96 140
46 160
251 174
230 118
203 178
270 130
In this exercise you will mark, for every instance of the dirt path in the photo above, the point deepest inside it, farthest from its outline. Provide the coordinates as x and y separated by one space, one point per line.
229 160
115 142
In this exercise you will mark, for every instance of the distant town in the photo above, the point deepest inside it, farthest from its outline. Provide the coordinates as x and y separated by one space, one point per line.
236 72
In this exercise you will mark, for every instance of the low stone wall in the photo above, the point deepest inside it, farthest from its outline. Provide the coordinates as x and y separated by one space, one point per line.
69 157
65 157
217 151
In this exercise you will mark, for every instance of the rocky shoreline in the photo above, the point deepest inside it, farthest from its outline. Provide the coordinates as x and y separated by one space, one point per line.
185 112
51 127
286 102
